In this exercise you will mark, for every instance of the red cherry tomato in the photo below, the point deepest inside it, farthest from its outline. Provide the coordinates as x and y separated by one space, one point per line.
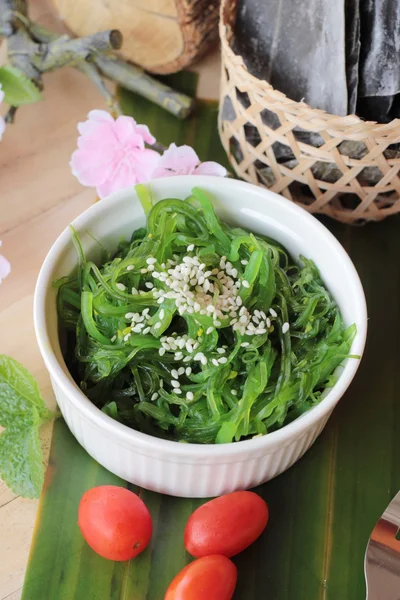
115 522
208 578
226 525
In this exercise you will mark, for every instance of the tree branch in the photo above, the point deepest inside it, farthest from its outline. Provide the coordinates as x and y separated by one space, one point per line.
10 116
34 50
69 51
91 71
136 80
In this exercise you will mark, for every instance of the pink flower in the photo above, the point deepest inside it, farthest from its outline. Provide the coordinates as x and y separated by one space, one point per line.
2 122
111 153
183 160
5 267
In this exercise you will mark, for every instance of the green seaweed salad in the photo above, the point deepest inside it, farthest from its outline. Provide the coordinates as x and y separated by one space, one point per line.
200 332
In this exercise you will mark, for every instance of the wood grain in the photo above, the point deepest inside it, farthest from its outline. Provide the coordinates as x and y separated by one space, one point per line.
39 198
163 36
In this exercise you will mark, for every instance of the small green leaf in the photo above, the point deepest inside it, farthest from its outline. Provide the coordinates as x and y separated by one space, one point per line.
19 392
22 412
18 89
21 460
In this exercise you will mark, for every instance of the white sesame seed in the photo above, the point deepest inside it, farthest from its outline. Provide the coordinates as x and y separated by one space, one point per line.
178 391
149 285
161 383
154 396
144 270
209 330
129 315
162 351
204 360
137 328
157 325
175 383
245 283
234 392
239 301
187 359
181 370
198 356
126 337
210 308
114 337
145 312
189 395
121 286
151 260
244 344
174 373
268 322
221 350
215 362
160 300
178 355
188 370
134 291
150 268
244 261
190 248
130 268
162 313
223 360
260 331
273 312
243 319
285 327
217 323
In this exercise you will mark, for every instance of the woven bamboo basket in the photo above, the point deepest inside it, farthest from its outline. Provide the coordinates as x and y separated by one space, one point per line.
350 174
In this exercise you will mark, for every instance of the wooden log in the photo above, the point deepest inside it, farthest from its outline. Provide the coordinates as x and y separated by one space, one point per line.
162 36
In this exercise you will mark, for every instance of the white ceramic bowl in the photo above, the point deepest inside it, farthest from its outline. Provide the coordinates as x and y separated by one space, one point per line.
195 470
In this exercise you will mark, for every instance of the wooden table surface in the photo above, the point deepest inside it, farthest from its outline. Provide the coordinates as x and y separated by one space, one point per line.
38 198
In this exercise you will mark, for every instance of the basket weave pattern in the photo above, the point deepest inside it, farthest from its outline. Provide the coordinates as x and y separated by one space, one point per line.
350 174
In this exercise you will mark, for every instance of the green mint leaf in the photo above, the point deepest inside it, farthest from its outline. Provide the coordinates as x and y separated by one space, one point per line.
19 393
21 459
17 88
22 412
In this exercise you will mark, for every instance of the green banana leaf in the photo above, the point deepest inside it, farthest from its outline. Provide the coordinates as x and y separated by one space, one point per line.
322 510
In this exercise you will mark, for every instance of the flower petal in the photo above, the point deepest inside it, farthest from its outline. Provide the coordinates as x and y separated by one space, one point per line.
137 169
210 168
177 160
2 127
111 153
145 133
5 268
